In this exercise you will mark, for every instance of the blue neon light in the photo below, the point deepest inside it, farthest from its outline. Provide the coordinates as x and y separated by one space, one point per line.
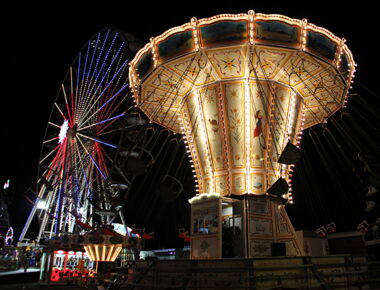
114 96
105 143
108 69
76 90
84 69
96 165
101 50
110 119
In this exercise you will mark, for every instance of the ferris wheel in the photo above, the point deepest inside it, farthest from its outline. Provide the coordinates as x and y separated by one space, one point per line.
82 140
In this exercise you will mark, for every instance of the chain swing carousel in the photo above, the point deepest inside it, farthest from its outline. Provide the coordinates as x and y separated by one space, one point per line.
241 89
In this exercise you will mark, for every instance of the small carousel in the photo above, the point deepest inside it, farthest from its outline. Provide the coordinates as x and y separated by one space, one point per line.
74 259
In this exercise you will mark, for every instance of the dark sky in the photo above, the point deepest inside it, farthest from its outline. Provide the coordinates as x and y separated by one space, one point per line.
40 42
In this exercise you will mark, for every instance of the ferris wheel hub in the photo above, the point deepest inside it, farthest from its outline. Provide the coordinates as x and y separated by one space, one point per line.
73 131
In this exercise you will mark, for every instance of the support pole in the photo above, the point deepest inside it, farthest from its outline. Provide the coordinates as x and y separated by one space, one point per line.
28 221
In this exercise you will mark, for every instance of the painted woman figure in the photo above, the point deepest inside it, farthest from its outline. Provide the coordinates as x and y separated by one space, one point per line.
258 129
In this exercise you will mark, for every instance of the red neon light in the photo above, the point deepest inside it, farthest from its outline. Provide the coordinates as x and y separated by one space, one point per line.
55 275
147 236
60 252
181 235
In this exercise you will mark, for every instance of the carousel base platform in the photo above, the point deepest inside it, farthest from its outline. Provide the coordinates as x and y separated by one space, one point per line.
327 272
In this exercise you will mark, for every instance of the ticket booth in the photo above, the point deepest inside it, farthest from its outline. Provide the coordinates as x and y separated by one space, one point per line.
217 229
254 226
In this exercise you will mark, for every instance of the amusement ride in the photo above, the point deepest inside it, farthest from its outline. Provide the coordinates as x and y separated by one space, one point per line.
225 98
241 89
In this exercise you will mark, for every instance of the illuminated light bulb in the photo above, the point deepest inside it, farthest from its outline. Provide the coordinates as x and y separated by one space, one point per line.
104 253
109 253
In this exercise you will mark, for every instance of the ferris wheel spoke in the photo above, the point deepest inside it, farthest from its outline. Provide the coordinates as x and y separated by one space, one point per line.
88 82
50 140
82 166
114 107
119 82
101 130
105 58
67 104
72 98
81 184
97 140
105 104
84 104
49 154
60 111
92 159
54 125
77 87
101 52
96 101
102 122
84 72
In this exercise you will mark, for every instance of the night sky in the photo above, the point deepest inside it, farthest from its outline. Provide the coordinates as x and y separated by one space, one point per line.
40 43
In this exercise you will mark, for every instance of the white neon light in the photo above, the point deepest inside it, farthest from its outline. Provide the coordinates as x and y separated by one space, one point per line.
6 185
41 204
63 131
247 111
204 196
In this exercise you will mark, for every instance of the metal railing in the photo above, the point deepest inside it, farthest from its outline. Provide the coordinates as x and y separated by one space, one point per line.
331 272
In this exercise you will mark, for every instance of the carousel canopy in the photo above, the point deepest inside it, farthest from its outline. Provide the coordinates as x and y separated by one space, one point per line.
240 88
